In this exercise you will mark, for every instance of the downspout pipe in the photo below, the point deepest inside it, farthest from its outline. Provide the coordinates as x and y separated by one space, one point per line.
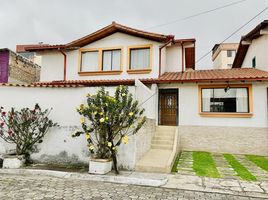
64 64
182 57
160 55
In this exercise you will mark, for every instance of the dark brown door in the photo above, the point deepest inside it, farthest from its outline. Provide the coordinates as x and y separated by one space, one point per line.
190 57
168 107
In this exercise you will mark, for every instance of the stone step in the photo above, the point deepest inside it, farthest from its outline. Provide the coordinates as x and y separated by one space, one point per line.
168 136
162 146
166 142
155 160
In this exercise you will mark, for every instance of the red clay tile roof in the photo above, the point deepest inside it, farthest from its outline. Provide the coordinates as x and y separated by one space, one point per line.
22 47
243 48
45 47
106 31
241 74
214 75
41 85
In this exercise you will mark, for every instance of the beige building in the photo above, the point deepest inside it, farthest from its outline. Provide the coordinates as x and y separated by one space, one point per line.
223 55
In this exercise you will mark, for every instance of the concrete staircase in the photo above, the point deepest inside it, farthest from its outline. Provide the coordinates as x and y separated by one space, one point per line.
162 154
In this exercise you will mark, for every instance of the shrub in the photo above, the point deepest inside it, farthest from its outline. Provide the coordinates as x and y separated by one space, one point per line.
107 121
24 128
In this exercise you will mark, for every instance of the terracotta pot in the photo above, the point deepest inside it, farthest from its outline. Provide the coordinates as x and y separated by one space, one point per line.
100 166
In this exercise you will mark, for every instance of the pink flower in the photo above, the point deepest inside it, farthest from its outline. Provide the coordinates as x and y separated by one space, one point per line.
3 113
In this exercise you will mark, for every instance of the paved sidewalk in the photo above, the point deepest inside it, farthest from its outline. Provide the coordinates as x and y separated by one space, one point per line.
16 187
182 182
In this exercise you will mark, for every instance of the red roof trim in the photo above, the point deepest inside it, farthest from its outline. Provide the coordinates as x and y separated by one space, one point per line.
242 48
220 75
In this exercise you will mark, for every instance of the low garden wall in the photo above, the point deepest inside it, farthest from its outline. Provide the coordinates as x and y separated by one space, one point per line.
58 146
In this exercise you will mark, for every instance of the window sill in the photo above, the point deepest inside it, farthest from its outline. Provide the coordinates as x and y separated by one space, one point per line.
139 71
94 73
231 115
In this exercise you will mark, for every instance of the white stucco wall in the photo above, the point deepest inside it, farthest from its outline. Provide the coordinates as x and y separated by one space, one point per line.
58 145
189 114
222 61
258 48
52 61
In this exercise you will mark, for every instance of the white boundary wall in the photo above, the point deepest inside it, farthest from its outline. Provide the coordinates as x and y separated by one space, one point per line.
58 145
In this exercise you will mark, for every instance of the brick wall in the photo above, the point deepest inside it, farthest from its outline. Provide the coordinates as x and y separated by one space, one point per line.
22 70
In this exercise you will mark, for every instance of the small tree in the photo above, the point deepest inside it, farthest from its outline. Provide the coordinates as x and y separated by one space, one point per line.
24 128
107 121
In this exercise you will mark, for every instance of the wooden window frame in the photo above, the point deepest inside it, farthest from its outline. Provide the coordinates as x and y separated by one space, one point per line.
226 114
139 71
100 60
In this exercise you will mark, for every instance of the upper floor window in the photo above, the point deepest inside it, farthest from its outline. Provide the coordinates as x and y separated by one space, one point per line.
140 59
100 61
230 53
254 62
111 60
89 61
226 100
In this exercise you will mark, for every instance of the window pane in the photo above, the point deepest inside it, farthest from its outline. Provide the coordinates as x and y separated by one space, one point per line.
140 58
89 61
111 60
225 100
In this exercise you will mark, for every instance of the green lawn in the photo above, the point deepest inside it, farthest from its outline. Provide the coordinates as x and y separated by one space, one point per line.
204 165
239 168
260 161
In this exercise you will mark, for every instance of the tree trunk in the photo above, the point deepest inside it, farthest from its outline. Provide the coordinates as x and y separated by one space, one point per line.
115 162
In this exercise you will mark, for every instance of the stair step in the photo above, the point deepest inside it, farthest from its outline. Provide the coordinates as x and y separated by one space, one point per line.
165 142
164 137
161 146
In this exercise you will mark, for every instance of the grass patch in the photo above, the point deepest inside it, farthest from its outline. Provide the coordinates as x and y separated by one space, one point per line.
239 168
260 161
175 165
204 165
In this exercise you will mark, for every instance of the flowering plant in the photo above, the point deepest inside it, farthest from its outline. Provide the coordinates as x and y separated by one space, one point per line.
107 121
24 128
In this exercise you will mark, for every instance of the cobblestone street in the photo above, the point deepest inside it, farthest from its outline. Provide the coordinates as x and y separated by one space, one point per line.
41 187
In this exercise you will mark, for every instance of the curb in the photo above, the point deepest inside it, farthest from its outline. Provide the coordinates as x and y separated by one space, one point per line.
124 178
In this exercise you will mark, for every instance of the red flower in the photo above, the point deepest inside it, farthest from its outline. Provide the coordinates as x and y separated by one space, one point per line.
3 113
2 124
9 132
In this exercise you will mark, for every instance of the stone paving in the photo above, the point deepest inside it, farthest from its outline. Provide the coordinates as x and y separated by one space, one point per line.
258 172
18 187
185 166
224 168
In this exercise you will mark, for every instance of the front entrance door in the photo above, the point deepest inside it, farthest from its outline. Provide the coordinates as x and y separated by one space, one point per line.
168 107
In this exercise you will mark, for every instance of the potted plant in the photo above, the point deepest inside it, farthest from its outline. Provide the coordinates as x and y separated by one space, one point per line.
24 128
107 121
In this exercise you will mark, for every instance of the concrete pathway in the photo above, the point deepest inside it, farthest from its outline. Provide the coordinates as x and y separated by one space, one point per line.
258 172
15 187
185 166
196 186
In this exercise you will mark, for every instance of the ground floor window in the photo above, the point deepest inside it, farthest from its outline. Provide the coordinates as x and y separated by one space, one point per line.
225 99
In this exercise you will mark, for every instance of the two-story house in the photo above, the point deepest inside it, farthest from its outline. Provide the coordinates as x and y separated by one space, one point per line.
253 48
223 55
218 110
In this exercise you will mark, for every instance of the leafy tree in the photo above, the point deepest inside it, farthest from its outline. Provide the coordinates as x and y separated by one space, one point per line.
24 128
107 121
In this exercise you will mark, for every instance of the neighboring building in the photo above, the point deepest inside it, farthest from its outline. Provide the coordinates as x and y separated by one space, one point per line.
253 48
223 55
218 110
20 49
17 69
